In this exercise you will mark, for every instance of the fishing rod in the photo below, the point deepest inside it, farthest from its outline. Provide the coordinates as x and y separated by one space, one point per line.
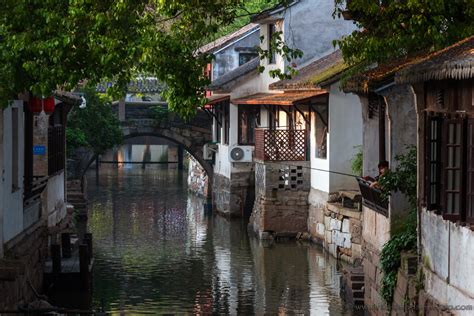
318 169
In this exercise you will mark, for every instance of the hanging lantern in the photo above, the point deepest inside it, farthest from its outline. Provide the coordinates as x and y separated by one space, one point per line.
48 105
35 105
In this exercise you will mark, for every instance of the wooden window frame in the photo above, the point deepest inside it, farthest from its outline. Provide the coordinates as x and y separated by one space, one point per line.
446 191
325 121
255 111
433 163
465 168
469 207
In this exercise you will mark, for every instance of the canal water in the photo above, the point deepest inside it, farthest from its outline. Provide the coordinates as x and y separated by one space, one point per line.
159 250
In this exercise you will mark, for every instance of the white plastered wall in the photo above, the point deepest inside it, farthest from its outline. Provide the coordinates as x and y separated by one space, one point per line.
345 134
247 87
12 200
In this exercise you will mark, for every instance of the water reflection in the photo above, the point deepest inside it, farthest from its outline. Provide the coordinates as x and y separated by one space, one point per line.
157 251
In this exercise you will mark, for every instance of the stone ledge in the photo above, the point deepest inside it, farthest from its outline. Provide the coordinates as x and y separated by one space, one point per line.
339 209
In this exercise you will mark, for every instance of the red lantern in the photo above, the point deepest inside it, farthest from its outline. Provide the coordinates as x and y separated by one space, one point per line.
35 105
48 105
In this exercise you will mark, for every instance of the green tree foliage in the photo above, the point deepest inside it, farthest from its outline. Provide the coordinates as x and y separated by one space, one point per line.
357 161
394 28
51 44
243 15
95 127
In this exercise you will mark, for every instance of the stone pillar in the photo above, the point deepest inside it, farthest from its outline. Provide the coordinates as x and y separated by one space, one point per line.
121 110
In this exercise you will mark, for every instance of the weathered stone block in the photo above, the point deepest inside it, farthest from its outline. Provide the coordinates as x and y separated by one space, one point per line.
316 214
370 271
332 248
336 224
327 222
356 240
347 240
346 225
320 229
356 251
328 236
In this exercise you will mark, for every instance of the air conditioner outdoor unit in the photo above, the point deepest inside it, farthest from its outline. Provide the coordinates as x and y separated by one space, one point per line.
208 150
241 154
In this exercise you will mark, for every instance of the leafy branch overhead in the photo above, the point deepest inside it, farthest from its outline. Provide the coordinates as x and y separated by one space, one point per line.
95 127
391 28
56 44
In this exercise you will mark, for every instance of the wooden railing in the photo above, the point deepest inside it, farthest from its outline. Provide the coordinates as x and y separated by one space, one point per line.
373 198
280 145
33 191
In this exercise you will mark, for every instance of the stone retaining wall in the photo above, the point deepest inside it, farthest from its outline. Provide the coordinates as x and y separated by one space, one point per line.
234 197
198 180
338 229
281 204
21 270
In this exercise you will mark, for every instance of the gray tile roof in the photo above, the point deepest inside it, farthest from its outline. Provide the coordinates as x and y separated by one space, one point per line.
453 62
227 80
225 40
305 76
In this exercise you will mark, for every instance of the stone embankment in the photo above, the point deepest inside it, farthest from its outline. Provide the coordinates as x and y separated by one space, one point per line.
338 226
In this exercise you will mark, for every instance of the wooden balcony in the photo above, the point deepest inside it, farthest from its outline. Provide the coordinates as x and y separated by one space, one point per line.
372 197
280 144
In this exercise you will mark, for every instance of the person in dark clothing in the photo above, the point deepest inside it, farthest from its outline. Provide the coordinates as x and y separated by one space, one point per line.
383 167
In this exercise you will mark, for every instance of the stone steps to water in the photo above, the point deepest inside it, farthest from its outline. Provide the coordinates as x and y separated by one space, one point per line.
352 286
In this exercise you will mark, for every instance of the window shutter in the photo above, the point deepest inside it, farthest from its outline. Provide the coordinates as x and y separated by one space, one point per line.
470 172
453 164
433 171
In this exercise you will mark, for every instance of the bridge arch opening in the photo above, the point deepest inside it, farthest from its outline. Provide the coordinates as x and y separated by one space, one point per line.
193 151
196 153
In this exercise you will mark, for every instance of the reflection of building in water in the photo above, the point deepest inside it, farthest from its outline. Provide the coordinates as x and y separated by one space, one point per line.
197 225
281 278
233 281
324 283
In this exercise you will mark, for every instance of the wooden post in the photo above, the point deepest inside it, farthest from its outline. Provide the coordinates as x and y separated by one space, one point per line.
56 257
84 266
66 245
88 242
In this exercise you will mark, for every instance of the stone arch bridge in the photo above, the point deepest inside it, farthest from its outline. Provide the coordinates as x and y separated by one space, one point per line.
151 118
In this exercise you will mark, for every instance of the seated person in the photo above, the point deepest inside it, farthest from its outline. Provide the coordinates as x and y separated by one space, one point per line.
383 169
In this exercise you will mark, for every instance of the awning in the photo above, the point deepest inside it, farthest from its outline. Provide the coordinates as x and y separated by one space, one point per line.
285 98
215 99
